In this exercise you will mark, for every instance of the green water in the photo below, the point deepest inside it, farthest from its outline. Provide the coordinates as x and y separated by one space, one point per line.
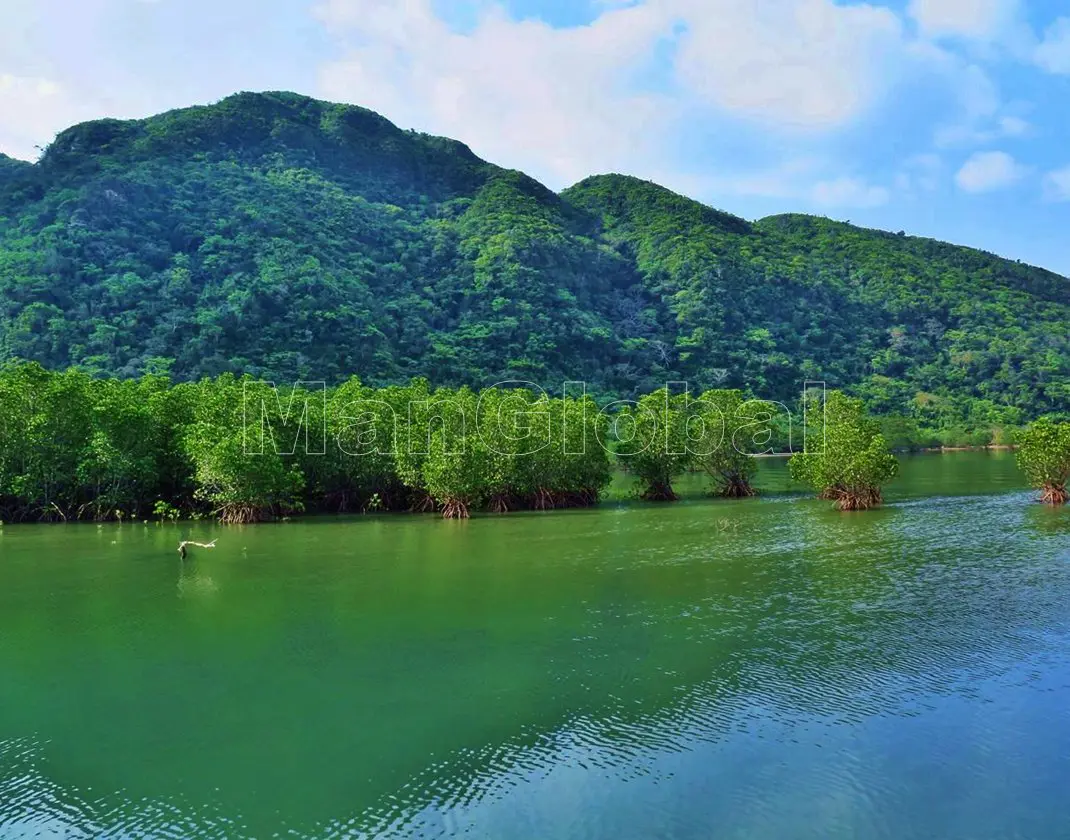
758 669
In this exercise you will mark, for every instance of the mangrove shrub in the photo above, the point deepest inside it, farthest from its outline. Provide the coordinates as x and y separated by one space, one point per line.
1044 457
848 460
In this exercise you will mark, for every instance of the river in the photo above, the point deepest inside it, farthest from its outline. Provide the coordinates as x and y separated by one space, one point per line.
764 668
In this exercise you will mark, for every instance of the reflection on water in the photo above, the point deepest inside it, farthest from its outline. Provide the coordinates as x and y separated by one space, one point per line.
633 671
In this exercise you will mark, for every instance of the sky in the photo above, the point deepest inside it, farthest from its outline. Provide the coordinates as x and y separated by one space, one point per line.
943 118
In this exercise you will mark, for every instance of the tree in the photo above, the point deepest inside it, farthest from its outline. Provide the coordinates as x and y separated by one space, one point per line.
515 430
243 481
418 410
850 460
720 414
574 468
46 428
120 468
653 442
459 466
362 433
1044 457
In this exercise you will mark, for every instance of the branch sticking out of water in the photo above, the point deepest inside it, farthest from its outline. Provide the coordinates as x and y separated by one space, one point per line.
182 546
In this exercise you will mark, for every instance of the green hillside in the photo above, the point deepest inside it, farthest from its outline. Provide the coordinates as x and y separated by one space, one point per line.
290 238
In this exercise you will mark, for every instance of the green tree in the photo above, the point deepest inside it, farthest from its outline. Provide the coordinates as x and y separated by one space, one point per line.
655 446
362 434
1044 457
241 479
459 469
718 418
47 427
847 460
120 468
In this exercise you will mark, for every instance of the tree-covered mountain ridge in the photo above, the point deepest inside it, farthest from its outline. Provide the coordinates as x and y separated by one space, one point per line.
290 238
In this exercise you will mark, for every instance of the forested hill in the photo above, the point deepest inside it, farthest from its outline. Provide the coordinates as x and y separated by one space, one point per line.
286 237
9 167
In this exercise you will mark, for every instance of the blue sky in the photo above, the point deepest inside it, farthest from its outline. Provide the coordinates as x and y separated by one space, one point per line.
945 118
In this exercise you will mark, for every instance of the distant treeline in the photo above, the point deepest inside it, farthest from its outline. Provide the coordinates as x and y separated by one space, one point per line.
77 447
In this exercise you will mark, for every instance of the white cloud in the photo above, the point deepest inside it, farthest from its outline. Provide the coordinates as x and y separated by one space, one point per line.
920 173
1011 126
553 101
809 64
1057 185
565 102
966 134
1053 52
987 171
849 192
982 20
982 116
792 178
32 111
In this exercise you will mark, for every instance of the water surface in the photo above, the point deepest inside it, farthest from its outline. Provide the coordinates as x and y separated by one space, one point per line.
752 669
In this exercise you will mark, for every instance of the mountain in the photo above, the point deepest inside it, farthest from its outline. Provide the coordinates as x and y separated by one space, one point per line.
10 168
291 238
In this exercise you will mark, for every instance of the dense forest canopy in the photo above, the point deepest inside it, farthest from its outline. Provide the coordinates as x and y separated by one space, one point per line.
284 237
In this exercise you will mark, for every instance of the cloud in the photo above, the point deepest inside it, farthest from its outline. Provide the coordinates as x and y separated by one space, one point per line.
1053 52
981 20
919 173
805 181
849 192
1011 126
32 111
987 171
792 178
809 64
1057 185
550 100
619 92
1005 127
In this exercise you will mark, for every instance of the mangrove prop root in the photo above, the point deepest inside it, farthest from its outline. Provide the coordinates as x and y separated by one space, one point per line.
1054 494
340 501
52 513
544 499
500 503
660 493
239 514
425 505
738 488
860 498
455 509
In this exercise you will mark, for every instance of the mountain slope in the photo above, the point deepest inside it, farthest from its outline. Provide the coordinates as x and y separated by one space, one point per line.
903 319
287 237
9 168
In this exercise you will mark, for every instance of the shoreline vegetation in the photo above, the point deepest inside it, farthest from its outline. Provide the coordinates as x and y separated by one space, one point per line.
75 447
1044 457
1002 447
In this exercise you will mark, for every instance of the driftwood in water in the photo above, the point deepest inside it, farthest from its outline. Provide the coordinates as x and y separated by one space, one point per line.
182 546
